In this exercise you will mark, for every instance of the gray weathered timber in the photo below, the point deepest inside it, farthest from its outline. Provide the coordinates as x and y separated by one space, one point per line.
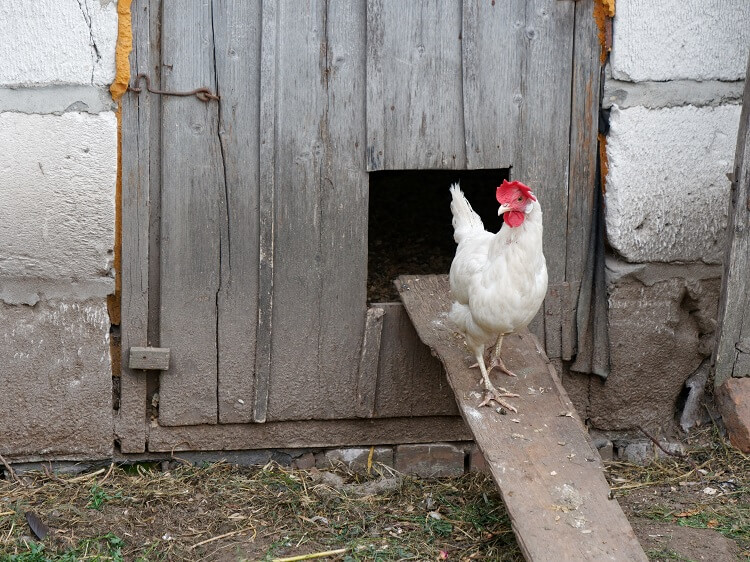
237 32
138 126
344 186
266 209
410 380
542 150
414 114
734 304
492 43
321 201
308 434
582 180
148 358
193 218
367 376
300 98
547 470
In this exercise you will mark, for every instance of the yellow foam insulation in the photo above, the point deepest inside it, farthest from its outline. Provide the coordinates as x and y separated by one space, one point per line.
118 89
604 11
122 51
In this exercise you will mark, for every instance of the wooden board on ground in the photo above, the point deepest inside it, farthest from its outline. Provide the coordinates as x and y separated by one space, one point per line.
549 474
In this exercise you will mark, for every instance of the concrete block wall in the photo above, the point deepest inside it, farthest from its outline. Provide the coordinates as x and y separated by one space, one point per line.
673 86
58 167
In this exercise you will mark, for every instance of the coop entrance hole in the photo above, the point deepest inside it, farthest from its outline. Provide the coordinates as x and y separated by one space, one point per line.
409 228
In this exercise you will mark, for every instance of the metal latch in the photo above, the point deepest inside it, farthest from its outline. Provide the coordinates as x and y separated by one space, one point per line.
149 358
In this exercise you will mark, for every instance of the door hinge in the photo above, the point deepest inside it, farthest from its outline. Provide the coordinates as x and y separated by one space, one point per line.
149 358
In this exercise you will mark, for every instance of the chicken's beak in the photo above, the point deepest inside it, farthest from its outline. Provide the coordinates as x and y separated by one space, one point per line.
504 208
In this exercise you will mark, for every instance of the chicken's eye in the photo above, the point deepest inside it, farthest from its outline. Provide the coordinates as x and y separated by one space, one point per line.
520 199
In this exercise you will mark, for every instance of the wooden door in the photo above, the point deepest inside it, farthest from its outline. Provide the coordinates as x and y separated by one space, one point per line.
245 219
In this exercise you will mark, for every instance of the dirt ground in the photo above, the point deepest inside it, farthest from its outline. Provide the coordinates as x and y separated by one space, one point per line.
681 509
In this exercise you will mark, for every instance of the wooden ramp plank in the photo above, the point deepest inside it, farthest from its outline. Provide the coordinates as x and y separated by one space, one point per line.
549 474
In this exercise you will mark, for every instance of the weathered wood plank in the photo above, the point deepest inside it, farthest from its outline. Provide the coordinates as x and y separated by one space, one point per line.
414 114
193 218
307 434
410 380
138 124
237 33
367 376
492 45
344 193
734 304
149 358
542 153
548 472
582 181
300 115
266 209
583 138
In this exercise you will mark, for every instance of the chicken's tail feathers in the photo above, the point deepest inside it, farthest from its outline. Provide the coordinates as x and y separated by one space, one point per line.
465 220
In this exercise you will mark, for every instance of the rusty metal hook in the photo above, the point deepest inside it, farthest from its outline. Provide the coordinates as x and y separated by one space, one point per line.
203 94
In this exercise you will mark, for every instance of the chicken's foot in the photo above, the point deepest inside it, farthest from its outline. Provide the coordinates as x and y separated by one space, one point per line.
496 360
492 393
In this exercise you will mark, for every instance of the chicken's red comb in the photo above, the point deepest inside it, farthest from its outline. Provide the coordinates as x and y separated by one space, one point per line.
525 189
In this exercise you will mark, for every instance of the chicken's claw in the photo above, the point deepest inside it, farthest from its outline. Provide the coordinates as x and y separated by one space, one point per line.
497 394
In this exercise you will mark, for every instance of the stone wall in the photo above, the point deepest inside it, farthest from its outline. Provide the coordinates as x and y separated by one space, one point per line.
673 86
58 166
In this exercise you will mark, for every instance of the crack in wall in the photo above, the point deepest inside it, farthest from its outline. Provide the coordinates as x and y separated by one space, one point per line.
95 54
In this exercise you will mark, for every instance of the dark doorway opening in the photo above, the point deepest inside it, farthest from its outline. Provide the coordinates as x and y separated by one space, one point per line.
410 230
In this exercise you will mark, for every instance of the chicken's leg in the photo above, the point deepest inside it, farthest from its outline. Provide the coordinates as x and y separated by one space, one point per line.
493 393
496 360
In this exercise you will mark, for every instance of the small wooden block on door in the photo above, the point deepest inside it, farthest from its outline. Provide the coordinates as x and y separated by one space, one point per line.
149 358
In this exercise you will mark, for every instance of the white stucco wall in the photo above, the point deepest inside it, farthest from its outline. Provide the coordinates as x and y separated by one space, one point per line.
58 169
675 82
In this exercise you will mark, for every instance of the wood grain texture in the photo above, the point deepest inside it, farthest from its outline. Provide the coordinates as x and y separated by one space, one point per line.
266 208
734 304
541 155
300 114
367 376
548 472
414 82
138 124
193 218
148 358
320 237
492 48
344 191
237 33
308 434
410 380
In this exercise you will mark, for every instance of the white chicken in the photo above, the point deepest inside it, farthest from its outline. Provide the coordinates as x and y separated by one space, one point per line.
498 280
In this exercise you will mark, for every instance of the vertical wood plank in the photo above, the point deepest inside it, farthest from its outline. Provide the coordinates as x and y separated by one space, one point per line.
367 376
583 170
237 33
492 43
542 152
410 379
266 207
300 115
543 138
193 218
137 126
344 186
734 304
415 118
583 138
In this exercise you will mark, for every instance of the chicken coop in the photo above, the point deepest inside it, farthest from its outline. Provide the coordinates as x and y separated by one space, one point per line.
263 224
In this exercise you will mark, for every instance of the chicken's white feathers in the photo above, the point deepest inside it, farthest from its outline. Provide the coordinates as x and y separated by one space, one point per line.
498 280
465 221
